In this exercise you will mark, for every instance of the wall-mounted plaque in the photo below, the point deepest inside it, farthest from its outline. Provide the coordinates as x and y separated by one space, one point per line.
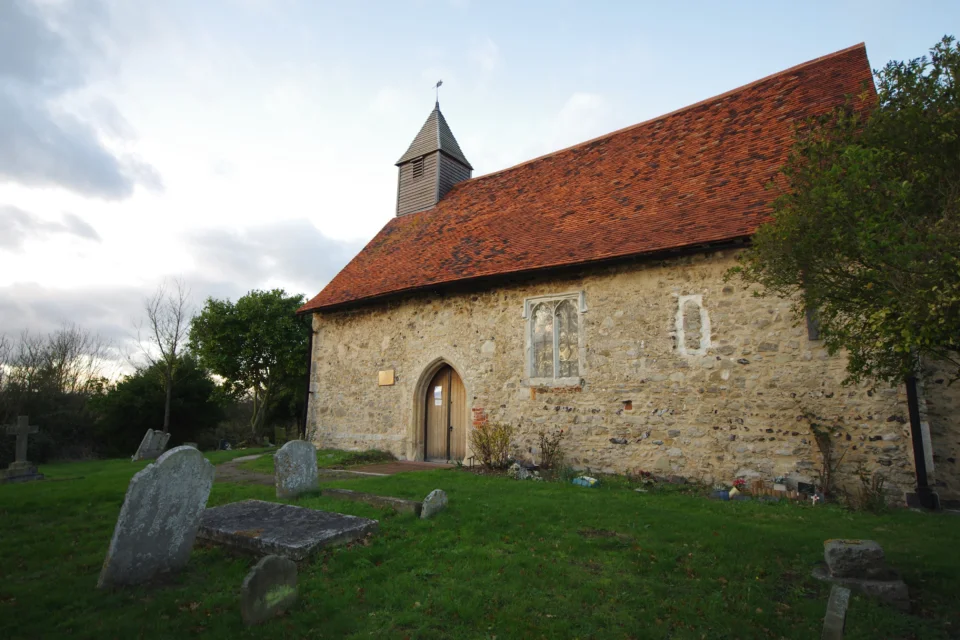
385 378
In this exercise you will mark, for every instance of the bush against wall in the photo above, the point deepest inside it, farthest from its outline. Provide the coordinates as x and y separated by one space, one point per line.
491 443
552 454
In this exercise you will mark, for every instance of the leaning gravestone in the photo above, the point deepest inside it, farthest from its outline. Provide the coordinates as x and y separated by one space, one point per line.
435 501
860 565
153 444
269 589
21 469
295 468
159 518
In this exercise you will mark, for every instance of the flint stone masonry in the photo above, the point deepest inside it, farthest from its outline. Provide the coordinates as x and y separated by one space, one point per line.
397 504
153 444
295 468
435 502
722 402
268 590
158 521
259 527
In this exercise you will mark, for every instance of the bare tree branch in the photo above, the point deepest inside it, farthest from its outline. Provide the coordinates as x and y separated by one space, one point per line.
163 335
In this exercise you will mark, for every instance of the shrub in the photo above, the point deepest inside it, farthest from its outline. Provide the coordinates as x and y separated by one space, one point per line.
491 443
551 449
871 496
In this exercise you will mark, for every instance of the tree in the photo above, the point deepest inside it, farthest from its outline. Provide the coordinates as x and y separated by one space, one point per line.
258 345
866 227
165 334
131 406
51 378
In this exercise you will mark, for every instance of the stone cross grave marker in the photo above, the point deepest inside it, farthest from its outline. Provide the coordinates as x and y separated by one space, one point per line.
21 470
159 518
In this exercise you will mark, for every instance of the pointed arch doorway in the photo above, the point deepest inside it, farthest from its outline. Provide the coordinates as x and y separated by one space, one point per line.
445 417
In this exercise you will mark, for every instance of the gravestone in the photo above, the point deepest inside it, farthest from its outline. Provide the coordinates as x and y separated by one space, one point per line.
21 469
860 565
435 501
263 528
836 618
295 468
159 518
153 444
269 589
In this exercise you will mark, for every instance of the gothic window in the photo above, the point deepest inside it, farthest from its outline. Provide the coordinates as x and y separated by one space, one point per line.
555 337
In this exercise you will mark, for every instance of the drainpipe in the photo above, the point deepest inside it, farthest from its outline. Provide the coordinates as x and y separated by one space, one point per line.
926 497
306 386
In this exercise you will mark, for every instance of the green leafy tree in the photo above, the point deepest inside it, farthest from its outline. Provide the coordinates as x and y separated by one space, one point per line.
866 228
258 345
136 403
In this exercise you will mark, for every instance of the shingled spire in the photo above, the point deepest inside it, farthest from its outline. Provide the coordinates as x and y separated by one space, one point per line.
430 167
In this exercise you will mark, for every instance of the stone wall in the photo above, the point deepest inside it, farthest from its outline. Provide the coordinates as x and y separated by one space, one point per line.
682 374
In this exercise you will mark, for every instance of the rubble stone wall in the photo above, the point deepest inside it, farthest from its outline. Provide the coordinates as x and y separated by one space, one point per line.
681 374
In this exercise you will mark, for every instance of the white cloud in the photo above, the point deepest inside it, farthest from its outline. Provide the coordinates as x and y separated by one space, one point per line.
18 226
486 55
582 117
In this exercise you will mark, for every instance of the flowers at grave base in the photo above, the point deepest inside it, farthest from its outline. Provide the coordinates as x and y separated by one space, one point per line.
740 484
644 477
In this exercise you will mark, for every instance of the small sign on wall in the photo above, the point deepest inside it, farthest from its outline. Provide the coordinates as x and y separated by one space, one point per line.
385 378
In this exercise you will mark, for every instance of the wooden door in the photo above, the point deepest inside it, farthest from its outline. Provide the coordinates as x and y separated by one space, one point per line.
445 430
458 417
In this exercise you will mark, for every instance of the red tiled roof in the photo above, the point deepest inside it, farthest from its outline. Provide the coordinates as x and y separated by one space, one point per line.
687 178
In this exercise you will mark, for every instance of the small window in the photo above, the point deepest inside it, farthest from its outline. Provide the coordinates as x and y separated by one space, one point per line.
554 338
418 168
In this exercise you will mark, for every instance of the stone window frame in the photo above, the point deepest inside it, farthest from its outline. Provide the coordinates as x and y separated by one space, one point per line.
705 329
579 299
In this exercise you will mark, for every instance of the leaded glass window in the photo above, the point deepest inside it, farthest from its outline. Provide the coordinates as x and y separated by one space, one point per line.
543 340
555 339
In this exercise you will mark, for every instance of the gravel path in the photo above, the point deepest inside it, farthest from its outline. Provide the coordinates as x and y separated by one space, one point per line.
234 473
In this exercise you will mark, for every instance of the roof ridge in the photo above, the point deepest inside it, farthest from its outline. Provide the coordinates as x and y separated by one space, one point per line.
797 67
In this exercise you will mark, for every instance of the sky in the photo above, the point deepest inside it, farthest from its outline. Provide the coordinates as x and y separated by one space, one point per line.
242 144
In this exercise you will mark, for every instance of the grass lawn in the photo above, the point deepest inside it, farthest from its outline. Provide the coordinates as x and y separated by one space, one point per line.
326 459
507 559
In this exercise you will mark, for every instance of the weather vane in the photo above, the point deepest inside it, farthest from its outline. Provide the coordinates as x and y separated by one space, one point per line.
437 87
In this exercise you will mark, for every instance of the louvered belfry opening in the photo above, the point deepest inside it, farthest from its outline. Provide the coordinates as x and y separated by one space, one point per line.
430 167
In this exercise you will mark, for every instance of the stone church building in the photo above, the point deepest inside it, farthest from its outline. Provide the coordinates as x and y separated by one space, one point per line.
585 290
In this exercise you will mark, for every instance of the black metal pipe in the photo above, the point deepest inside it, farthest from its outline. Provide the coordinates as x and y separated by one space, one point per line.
306 389
925 494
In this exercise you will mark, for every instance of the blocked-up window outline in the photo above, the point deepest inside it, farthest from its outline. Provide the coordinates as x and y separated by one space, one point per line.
692 326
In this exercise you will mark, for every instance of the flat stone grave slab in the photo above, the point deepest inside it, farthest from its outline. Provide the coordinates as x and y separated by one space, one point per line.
286 530
397 504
